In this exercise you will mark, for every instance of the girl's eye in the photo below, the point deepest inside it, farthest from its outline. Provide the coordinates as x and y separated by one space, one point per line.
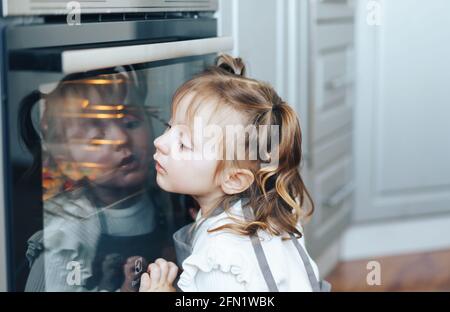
184 147
168 127
95 133
130 122
133 124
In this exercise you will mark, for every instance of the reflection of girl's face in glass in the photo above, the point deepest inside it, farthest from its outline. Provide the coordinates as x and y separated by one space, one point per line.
117 150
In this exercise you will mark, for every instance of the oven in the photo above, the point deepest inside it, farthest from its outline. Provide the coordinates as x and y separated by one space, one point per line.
81 106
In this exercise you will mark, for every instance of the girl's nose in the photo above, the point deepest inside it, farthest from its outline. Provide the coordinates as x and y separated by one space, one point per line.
161 144
118 135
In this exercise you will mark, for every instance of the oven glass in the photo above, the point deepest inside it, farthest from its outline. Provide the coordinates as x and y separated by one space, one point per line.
87 213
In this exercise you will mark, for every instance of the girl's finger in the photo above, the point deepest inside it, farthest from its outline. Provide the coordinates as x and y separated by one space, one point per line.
173 271
145 283
155 275
164 269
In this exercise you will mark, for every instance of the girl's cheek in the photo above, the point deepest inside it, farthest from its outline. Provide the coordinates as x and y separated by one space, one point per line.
81 154
190 170
205 169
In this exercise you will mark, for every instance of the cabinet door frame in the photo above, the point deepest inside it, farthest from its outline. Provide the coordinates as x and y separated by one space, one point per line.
326 227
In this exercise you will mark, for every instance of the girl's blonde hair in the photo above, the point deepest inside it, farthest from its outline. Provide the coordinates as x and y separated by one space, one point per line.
278 194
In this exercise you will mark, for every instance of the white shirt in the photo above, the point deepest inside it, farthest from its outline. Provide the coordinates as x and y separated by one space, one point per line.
225 261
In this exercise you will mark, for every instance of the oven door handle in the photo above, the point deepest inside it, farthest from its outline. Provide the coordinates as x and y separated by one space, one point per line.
69 61
73 61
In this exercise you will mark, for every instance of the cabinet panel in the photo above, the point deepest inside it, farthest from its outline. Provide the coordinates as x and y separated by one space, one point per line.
334 78
324 154
328 122
334 9
332 36
403 107
332 180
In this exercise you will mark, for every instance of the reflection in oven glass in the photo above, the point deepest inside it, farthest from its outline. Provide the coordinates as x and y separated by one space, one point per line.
104 218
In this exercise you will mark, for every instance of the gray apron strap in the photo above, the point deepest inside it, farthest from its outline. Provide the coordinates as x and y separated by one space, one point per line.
317 286
103 223
309 269
260 255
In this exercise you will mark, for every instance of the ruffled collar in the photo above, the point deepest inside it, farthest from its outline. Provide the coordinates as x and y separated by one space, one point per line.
235 210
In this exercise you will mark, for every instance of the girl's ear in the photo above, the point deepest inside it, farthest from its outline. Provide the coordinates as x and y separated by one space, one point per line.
235 181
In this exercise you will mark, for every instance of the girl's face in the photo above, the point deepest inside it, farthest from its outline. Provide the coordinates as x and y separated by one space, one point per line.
118 151
180 161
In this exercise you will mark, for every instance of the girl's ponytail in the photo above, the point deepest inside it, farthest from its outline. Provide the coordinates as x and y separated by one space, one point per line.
234 66
282 186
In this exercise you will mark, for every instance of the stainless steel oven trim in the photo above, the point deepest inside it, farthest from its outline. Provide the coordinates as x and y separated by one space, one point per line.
20 37
42 7
39 47
4 229
74 61
3 226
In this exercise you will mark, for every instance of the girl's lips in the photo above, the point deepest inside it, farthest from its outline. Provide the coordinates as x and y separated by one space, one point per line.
159 168
129 163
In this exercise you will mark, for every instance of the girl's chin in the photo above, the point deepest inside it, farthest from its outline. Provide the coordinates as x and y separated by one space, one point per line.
160 180
166 186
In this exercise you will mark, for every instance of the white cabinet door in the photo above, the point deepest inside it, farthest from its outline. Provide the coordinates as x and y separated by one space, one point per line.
403 129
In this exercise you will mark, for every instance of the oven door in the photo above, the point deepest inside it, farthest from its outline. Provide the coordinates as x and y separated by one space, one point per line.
83 211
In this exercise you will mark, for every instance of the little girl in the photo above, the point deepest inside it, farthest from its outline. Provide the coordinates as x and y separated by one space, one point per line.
248 232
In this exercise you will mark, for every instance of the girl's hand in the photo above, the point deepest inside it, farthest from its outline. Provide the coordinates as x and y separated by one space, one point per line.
159 277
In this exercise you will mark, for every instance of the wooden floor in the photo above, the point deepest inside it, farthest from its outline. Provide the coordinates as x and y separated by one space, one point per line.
416 272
